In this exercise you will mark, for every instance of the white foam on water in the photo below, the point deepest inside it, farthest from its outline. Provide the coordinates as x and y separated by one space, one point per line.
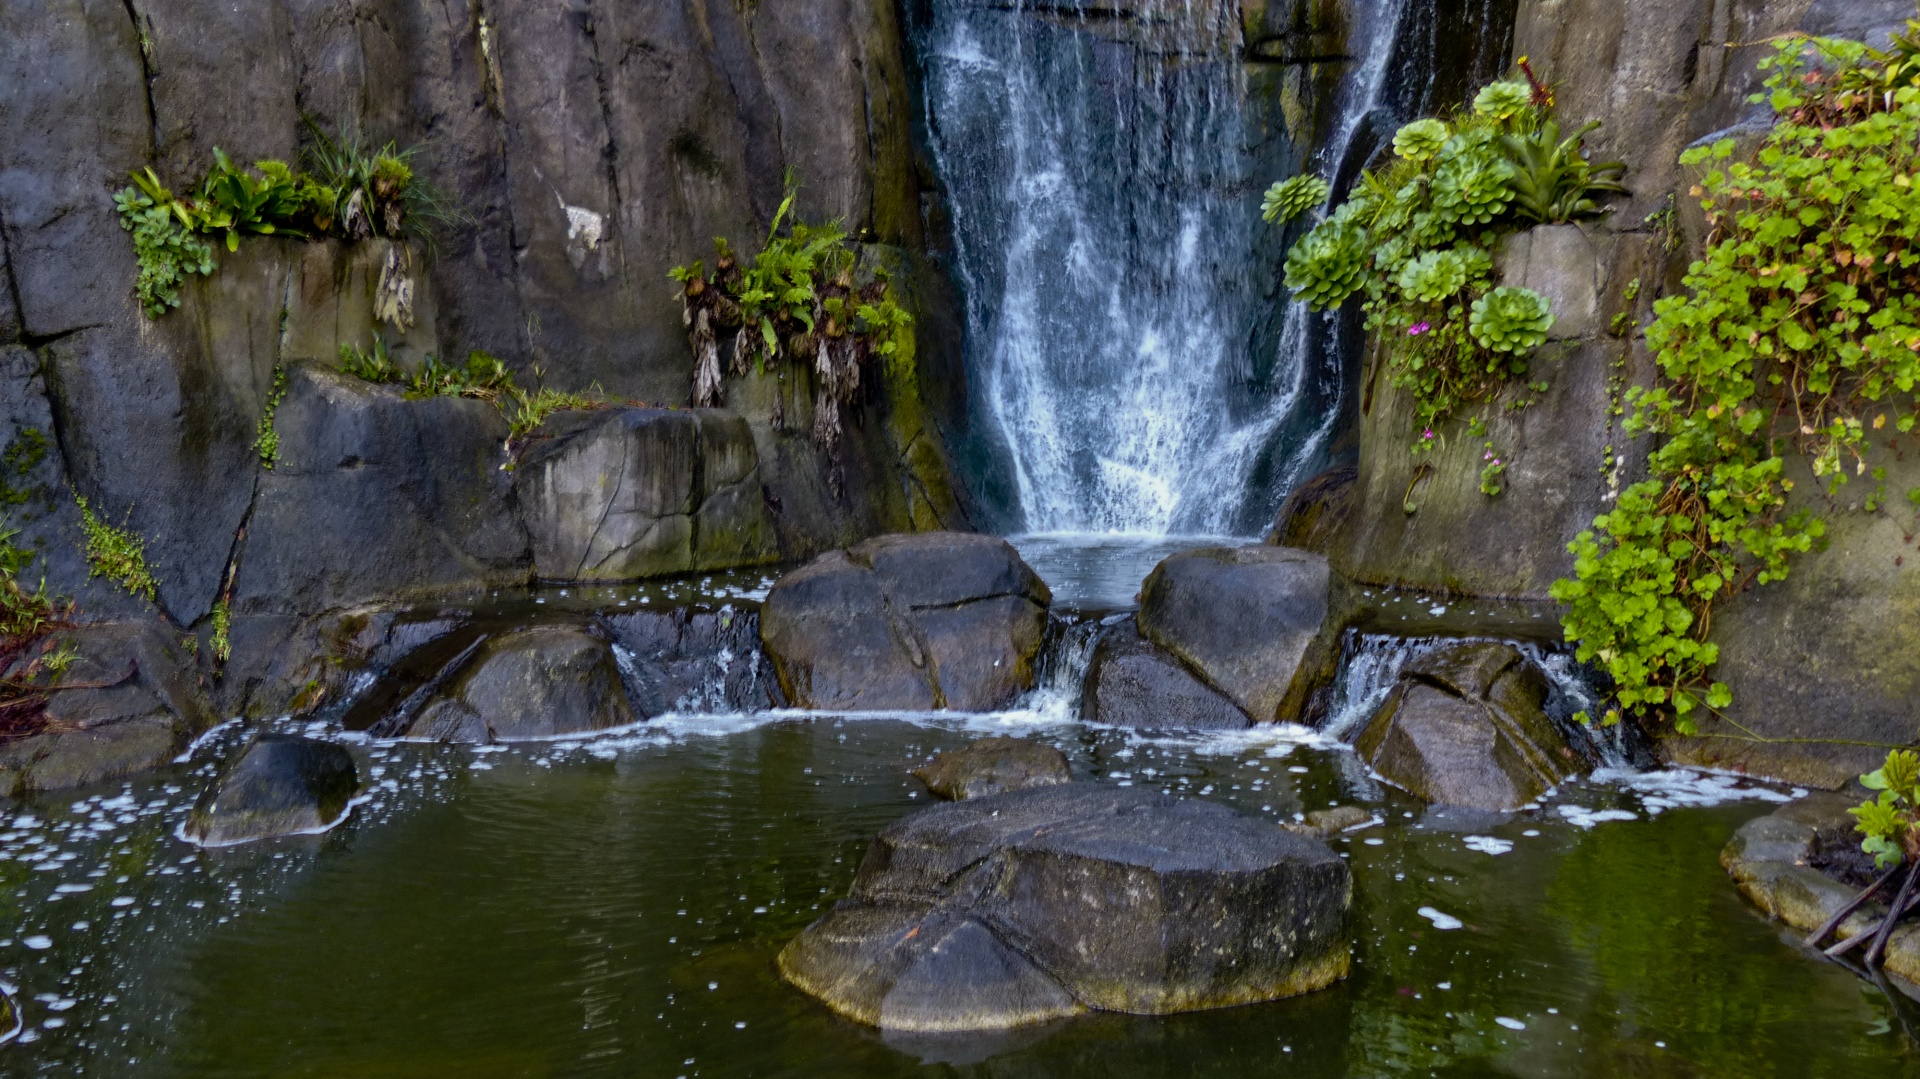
1440 920
1487 844
1510 1024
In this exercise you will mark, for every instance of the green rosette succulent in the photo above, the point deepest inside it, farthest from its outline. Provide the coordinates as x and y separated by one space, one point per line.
1288 199
1421 139
1510 319
1433 276
1329 263
1473 184
1503 100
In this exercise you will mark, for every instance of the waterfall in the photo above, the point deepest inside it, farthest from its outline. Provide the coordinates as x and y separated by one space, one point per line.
1104 188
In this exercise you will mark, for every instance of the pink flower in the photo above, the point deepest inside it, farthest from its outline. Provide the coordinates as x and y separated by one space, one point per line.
1487 456
1418 328
1429 433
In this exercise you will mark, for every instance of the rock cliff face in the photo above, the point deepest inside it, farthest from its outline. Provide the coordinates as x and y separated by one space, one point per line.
1823 656
592 145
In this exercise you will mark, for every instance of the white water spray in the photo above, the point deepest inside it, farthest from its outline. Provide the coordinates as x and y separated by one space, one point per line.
1105 201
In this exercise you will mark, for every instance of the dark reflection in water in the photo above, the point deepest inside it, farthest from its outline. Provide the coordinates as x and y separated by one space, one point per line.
604 910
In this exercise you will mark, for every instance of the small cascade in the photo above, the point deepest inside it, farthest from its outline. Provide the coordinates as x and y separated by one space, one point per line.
1371 663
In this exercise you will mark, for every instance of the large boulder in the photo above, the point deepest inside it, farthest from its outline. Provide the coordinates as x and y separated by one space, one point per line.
934 620
376 496
128 700
636 492
539 682
1133 683
1466 725
279 785
1250 620
994 766
1001 911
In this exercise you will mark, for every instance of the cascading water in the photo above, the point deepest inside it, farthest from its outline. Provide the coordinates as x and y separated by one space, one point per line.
1104 188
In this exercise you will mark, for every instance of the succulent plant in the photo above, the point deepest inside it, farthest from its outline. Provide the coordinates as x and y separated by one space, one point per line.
1288 199
1433 276
1327 265
1510 319
1473 184
1553 181
1503 100
1421 139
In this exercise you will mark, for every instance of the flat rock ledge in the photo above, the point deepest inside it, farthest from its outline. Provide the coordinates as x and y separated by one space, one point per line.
1038 904
1773 861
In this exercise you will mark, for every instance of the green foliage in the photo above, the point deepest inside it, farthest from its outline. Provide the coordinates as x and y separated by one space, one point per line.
1329 264
350 192
1510 319
484 376
799 298
266 439
1288 199
118 554
1416 237
25 612
1503 100
1803 317
1434 276
1420 140
222 621
1473 184
1888 820
162 242
372 365
1552 179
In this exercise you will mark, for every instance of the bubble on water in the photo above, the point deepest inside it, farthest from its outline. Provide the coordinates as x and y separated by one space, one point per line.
1487 844
1440 920
1510 1024
38 942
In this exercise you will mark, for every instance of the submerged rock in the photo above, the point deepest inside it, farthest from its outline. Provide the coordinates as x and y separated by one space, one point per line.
1133 683
279 785
1011 909
1248 619
994 766
531 683
1466 725
1331 822
933 620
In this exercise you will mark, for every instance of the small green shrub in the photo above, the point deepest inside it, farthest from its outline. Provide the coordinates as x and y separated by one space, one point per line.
1415 240
1288 199
798 298
1500 101
118 554
1552 179
162 242
1510 320
1888 821
1329 264
1421 140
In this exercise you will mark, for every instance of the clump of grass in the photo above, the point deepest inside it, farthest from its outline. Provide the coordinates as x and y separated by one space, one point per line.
266 440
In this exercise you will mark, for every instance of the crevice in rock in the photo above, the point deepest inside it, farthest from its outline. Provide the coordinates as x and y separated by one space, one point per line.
612 154
13 285
619 483
141 44
38 341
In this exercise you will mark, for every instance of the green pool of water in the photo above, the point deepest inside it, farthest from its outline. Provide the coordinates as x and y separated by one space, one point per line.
613 909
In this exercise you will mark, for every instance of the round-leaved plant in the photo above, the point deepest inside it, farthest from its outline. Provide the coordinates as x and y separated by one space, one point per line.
1510 319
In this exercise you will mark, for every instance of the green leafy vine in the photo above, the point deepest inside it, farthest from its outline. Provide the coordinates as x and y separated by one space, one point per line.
1799 332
